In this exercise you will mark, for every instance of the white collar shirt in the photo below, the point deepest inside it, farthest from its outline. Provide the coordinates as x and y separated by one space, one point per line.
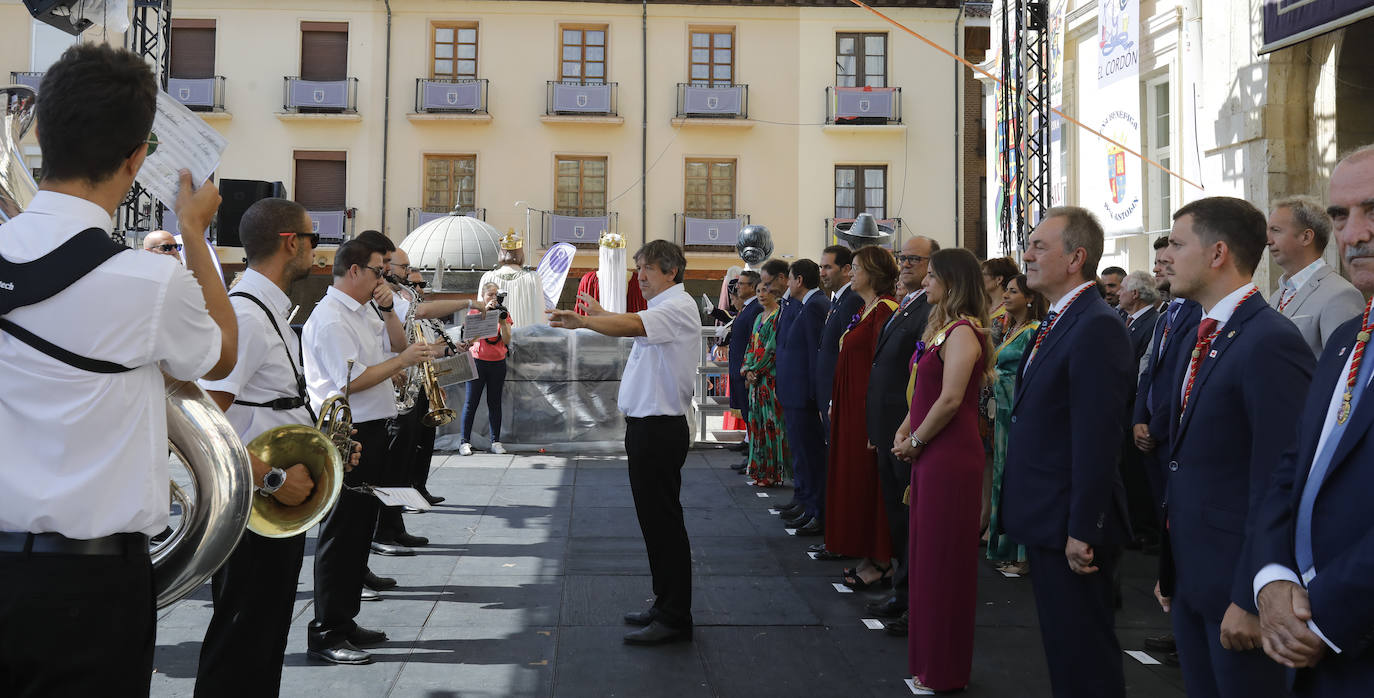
807 298
339 330
835 297
86 453
750 299
1221 312
1300 279
1059 306
1136 315
663 364
266 369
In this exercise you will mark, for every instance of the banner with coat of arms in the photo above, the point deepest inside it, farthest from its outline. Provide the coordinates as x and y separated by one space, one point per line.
1112 178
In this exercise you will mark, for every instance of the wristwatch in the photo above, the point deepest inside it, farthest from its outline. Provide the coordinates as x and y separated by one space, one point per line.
386 308
916 441
272 481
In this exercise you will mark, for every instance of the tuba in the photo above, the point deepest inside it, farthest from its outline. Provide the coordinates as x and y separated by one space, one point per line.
17 187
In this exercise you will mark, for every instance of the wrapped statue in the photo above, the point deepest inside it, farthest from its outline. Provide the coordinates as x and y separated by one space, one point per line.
611 274
524 295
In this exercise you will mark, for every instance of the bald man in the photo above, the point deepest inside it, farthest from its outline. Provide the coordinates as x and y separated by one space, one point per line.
162 242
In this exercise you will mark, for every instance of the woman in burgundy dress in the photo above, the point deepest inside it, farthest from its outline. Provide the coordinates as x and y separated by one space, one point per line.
940 438
855 520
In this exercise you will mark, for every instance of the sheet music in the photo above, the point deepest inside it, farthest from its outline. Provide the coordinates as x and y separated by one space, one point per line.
184 141
400 496
481 326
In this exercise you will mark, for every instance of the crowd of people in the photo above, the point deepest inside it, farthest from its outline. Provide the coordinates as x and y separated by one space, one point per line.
1058 415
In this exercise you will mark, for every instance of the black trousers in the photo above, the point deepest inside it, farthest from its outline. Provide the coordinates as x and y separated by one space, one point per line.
1077 623
341 553
76 625
254 594
893 478
424 450
657 449
400 454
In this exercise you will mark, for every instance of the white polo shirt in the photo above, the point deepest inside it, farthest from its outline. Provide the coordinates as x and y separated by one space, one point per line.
85 454
339 330
264 371
658 376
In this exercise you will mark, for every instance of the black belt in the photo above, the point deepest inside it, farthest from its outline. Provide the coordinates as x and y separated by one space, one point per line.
281 403
58 544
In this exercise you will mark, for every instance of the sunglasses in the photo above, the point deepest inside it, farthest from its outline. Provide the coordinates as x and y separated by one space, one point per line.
376 270
314 238
169 247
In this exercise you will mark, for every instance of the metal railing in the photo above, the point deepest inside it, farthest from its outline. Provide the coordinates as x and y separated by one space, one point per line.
565 226
585 99
832 224
863 105
418 216
691 231
198 94
333 227
320 96
442 95
722 102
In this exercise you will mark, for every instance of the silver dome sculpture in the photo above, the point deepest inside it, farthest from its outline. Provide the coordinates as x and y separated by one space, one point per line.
454 241
864 231
754 245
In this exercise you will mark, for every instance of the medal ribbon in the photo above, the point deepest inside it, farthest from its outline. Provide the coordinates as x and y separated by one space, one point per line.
1356 356
1053 320
1203 344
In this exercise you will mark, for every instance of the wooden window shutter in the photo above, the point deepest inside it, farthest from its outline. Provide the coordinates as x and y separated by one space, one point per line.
324 52
321 181
193 51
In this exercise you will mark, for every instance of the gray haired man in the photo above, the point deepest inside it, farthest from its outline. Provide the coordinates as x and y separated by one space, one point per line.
1311 294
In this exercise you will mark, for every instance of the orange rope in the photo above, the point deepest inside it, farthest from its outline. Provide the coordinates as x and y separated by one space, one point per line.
1032 97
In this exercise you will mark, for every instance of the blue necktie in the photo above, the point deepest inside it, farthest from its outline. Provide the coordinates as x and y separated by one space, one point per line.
1320 466
1170 316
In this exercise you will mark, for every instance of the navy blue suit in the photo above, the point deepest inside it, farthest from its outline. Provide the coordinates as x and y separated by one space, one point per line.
740 330
799 336
828 355
1224 448
1067 421
1342 594
1162 375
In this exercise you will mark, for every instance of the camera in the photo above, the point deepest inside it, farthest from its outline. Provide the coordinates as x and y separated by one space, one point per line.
501 305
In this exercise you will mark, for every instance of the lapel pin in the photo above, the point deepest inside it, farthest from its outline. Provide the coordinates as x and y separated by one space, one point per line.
1231 334
1212 354
1342 352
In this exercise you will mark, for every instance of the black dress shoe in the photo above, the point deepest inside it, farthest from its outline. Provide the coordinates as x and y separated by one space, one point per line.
896 628
739 467
432 499
816 548
375 583
792 510
796 521
888 608
1161 643
640 618
1171 659
812 528
343 654
390 549
411 541
369 595
656 633
362 637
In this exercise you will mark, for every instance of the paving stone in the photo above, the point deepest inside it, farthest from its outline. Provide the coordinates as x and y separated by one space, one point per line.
595 663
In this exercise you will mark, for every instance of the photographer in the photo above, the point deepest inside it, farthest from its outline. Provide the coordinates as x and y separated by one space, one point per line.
490 356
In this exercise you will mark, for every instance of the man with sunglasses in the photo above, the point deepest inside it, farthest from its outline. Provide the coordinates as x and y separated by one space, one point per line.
162 242
255 591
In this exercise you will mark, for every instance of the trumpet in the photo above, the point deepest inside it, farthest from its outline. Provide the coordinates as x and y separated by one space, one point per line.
439 412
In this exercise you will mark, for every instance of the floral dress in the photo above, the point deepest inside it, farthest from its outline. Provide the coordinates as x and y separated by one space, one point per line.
1007 359
769 460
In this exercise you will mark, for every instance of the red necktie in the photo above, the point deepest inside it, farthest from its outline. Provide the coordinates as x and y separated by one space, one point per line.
1206 332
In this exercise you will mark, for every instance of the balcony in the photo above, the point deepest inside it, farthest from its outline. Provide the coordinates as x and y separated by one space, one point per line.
320 98
333 227
863 106
198 94
565 226
416 217
726 102
708 234
450 99
28 79
575 102
833 224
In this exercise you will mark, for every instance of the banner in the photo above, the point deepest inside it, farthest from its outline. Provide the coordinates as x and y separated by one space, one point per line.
1111 177
1288 22
553 271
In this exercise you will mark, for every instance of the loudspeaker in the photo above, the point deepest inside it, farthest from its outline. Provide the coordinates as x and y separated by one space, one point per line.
237 195
46 11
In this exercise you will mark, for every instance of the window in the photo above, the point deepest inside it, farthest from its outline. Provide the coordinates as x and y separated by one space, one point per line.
713 58
192 52
455 52
1157 141
321 180
859 189
710 189
584 55
581 186
324 51
861 60
450 180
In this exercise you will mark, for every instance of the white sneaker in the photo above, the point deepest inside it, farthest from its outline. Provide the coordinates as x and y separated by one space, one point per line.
465 449
497 448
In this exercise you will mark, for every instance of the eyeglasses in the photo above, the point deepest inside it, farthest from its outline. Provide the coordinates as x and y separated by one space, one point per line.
151 141
169 247
405 268
314 238
911 258
377 270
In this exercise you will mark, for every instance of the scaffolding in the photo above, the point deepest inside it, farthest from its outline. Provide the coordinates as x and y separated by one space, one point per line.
150 37
1023 119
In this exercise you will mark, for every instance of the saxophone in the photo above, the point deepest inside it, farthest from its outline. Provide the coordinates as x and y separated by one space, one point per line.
408 391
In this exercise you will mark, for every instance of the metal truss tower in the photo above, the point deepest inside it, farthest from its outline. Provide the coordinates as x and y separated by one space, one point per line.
150 37
1024 119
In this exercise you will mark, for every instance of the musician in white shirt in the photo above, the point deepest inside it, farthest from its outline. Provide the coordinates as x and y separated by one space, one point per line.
85 478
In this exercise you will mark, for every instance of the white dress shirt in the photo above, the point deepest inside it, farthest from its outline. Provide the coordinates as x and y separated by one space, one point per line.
86 453
1289 287
1221 312
1062 304
264 371
658 376
1130 319
835 297
808 295
338 330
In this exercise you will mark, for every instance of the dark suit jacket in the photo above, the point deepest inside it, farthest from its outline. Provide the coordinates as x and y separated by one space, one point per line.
799 336
1224 449
1163 372
740 330
848 304
1342 593
1067 421
885 403
1141 331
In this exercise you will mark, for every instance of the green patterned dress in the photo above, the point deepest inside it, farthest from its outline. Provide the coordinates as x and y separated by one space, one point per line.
769 460
1007 359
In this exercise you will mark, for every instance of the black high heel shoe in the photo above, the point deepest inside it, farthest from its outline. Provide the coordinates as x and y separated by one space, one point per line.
852 579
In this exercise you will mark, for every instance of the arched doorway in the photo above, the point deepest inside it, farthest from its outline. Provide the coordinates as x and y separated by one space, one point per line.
1355 87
